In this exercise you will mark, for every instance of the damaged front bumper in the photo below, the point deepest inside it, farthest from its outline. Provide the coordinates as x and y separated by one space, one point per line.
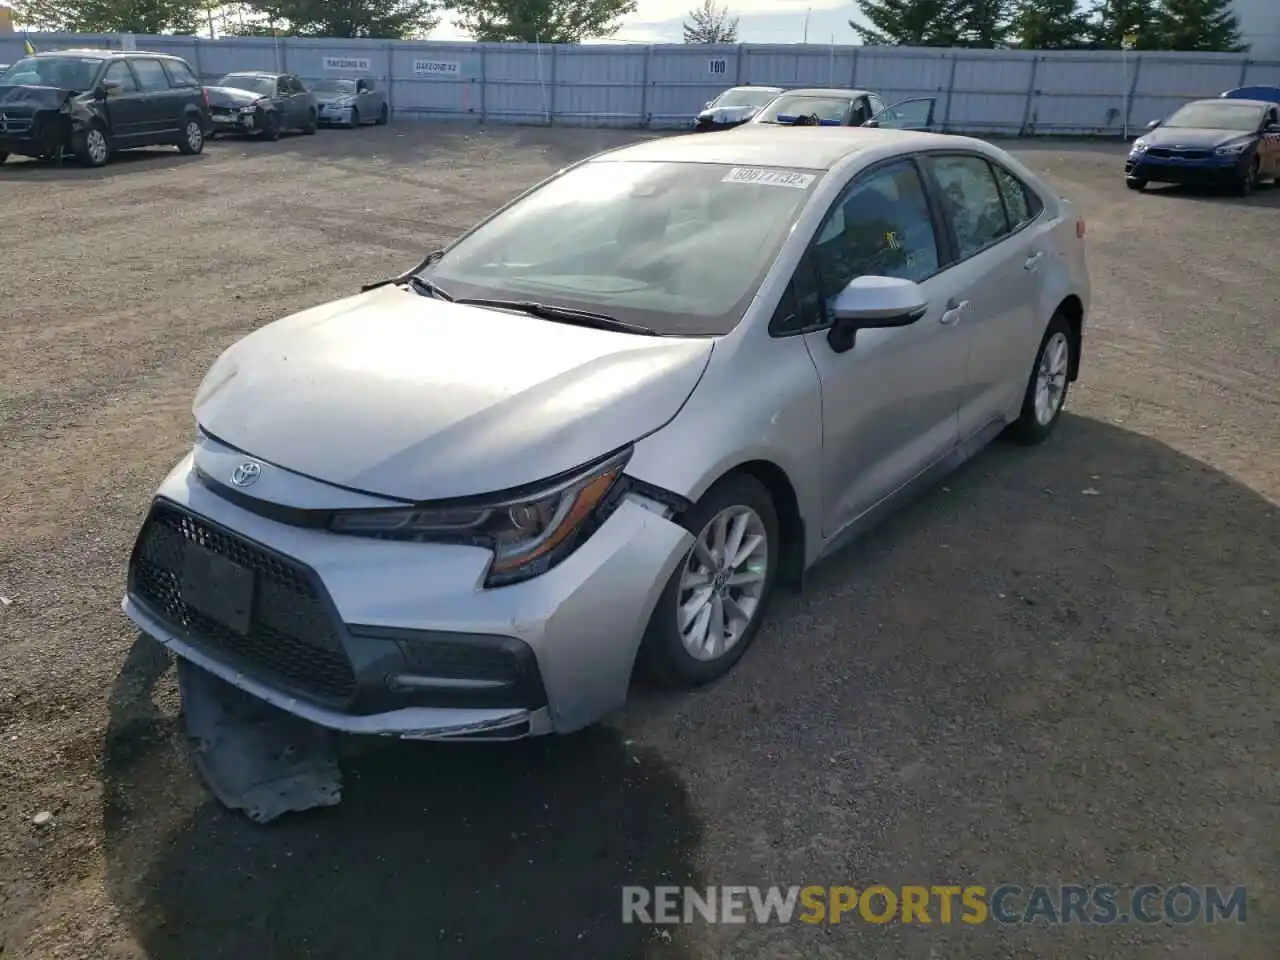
396 639
231 120
25 132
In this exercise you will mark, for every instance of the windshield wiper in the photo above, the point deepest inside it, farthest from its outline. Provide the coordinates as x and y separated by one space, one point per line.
546 311
411 277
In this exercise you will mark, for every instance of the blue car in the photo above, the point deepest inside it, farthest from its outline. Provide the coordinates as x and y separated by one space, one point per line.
1267 94
1227 142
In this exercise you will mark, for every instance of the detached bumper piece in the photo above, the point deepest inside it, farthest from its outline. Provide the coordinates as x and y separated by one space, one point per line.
271 671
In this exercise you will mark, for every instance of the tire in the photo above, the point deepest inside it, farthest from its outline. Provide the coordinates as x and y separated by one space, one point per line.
192 140
92 147
313 124
1041 403
270 127
384 115
663 651
1138 185
1248 181
3 156
355 118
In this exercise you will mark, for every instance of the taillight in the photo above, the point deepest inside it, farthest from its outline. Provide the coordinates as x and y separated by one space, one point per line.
1079 228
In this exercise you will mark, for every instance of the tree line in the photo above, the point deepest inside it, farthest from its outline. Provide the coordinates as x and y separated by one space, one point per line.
1030 24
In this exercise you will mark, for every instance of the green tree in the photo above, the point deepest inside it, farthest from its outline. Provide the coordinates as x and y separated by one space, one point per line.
379 19
1050 25
110 16
1114 20
544 21
1198 25
710 24
918 23
983 23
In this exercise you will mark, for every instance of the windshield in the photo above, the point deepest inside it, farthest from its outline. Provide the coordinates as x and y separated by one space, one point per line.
1219 115
69 73
261 85
747 97
679 248
827 108
334 86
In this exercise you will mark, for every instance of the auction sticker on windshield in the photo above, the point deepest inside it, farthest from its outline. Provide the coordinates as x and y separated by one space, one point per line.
772 178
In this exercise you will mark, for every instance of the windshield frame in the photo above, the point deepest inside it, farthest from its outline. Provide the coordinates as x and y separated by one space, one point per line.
770 112
766 97
1222 107
342 85
97 62
270 82
659 321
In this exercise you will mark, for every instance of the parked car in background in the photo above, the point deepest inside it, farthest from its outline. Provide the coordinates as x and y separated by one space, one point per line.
735 106
262 104
92 103
349 103
604 425
1266 94
1225 142
833 107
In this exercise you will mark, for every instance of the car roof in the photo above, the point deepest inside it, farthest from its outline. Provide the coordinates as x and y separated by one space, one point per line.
255 73
105 54
810 148
754 86
829 92
1234 101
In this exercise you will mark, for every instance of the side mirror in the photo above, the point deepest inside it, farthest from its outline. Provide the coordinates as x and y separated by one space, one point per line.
707 105
869 303
1153 124
108 88
873 122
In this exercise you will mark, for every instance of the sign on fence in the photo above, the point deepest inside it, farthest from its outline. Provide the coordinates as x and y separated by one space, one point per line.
717 68
346 64
436 68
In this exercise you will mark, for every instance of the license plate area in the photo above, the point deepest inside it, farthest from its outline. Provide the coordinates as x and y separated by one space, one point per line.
216 587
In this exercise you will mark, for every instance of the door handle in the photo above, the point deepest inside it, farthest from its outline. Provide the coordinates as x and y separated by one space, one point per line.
1033 261
955 309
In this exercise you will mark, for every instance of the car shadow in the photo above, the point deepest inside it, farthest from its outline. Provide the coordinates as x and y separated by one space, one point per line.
435 850
1266 196
124 163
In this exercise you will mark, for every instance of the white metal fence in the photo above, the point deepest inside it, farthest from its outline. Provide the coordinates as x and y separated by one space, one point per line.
978 91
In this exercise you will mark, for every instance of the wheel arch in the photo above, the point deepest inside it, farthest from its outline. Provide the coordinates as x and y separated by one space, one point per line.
1072 308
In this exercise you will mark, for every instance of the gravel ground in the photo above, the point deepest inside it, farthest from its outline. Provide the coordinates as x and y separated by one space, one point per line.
1060 667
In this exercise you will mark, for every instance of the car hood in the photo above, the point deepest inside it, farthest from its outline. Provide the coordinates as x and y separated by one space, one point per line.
393 393
737 114
327 98
44 98
1191 137
233 96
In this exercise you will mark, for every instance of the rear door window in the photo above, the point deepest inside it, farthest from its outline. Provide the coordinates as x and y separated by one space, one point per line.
971 201
119 72
151 75
180 74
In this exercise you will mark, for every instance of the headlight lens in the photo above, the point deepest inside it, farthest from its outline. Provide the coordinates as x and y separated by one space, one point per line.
528 533
1232 149
249 109
1139 146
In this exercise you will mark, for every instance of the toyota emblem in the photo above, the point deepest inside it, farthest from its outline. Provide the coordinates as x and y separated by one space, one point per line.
246 474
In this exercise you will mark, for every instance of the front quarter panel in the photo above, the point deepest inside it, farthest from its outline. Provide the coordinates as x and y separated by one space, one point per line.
758 400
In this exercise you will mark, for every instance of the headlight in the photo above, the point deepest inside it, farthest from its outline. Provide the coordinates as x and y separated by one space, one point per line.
529 533
344 102
1139 146
249 109
1233 149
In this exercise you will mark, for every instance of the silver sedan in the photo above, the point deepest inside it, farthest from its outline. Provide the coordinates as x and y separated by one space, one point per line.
350 103
603 426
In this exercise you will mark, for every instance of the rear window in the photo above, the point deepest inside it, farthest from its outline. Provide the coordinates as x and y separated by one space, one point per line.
789 108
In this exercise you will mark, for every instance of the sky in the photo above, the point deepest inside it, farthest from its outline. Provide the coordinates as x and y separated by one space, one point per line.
759 21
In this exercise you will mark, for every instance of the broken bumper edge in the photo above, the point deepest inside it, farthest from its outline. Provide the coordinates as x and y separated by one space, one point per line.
409 723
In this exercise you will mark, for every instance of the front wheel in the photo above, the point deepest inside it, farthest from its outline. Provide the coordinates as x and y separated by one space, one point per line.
384 115
1248 181
715 600
92 147
312 124
192 140
3 156
1046 392
270 127
1135 184
355 118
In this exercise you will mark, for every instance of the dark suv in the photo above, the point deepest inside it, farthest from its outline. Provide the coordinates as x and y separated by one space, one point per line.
94 102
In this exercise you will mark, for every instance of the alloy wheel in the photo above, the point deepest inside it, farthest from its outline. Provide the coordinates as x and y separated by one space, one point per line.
722 583
1051 378
95 142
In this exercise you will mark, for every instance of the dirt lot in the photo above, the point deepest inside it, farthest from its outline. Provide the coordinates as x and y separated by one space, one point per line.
1061 667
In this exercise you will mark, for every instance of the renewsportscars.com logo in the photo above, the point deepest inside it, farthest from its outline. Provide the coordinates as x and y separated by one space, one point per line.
1007 904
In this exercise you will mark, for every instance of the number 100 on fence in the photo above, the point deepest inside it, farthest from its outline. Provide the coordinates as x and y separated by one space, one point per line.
717 67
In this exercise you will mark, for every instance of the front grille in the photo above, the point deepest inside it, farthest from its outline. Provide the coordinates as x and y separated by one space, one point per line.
1177 174
1165 152
291 639
15 121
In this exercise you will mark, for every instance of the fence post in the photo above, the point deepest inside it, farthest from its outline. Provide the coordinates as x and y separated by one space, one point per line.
282 44
551 106
484 82
1031 93
645 120
737 65
853 69
1244 71
391 78
195 55
951 93
1133 91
